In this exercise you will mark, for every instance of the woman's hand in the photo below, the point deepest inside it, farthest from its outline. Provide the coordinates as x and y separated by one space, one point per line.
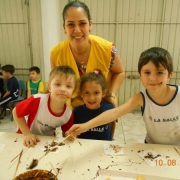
30 140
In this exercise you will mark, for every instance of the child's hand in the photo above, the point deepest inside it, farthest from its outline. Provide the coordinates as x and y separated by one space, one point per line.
77 129
70 138
30 140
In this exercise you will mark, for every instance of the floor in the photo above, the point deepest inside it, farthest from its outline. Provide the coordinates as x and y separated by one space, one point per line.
129 128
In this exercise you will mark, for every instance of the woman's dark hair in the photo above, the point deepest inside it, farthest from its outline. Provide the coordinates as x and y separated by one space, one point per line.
99 78
158 56
77 4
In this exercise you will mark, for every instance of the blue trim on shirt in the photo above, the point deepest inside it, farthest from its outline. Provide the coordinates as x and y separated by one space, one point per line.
144 104
169 101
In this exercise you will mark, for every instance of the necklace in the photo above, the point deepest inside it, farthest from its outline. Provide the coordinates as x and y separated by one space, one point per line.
81 59
82 64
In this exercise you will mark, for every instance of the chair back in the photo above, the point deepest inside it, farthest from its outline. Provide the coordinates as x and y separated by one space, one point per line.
22 88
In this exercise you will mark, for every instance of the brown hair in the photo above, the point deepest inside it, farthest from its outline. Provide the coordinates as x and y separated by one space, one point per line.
158 56
99 78
62 70
8 68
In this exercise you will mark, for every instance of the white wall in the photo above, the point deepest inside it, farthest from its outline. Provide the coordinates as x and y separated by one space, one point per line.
50 11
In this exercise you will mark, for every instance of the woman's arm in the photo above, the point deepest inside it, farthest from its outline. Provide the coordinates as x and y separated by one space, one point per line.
52 62
118 74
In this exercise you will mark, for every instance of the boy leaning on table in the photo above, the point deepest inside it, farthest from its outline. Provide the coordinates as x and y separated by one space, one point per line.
46 112
159 101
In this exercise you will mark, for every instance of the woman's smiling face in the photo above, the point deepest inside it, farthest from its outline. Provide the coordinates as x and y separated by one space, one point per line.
77 26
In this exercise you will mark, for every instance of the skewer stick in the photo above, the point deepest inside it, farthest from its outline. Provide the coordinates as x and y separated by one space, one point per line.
20 153
76 139
53 167
36 161
177 151
61 167
18 163
51 143
64 138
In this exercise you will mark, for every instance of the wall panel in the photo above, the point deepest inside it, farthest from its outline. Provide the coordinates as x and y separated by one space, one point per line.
133 25
20 35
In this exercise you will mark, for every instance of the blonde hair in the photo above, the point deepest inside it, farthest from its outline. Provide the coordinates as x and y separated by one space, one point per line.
62 70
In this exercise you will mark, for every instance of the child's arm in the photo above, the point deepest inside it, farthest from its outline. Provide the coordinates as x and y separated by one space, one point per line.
65 128
30 139
41 87
28 93
28 89
7 93
109 116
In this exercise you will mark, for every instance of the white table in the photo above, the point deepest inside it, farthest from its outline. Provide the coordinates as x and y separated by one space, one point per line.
83 162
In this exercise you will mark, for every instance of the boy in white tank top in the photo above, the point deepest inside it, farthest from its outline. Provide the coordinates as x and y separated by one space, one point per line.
159 101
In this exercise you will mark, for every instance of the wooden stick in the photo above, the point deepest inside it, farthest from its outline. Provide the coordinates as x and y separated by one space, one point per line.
18 163
61 167
53 167
29 147
65 138
20 153
177 151
76 139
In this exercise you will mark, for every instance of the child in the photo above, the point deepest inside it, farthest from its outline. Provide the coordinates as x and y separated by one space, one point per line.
34 85
46 112
159 101
12 87
1 85
93 90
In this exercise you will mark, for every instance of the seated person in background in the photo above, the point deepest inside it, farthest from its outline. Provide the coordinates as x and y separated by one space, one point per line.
12 87
159 101
96 98
1 85
46 112
34 85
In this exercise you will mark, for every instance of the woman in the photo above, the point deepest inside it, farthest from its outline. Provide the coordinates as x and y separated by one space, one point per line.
84 52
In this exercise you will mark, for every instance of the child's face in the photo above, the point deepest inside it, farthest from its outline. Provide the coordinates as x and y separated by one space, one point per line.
62 87
154 79
92 95
5 74
34 75
77 26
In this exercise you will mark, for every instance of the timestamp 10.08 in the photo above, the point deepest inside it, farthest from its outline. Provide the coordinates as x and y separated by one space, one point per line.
170 162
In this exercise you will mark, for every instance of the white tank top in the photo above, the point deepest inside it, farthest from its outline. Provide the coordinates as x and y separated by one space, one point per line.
162 121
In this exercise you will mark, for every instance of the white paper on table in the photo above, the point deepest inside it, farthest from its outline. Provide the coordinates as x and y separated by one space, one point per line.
108 150
48 143
2 148
152 161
